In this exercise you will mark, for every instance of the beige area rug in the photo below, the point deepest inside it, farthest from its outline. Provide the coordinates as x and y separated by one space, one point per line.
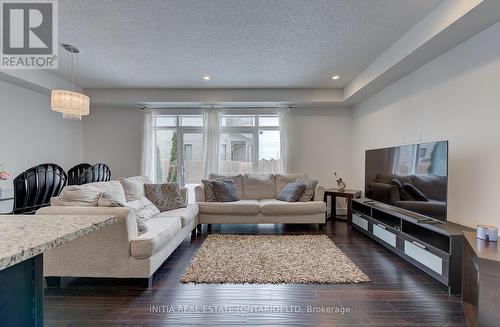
292 259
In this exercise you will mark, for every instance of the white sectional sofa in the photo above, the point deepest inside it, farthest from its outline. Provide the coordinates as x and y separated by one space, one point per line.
258 204
118 250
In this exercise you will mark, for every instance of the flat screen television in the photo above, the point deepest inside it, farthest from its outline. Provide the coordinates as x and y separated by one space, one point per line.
412 177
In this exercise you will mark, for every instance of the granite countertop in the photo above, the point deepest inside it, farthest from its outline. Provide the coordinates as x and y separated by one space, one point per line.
25 236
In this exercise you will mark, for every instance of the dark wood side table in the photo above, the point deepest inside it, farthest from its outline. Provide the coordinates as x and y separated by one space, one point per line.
481 281
334 193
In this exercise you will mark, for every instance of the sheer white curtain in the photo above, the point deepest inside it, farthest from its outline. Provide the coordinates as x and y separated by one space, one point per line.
284 119
147 167
211 135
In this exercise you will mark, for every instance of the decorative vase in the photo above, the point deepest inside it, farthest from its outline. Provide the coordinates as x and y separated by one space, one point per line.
341 185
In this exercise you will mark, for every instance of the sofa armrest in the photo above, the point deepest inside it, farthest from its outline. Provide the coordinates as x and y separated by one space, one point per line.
102 253
199 193
125 226
319 193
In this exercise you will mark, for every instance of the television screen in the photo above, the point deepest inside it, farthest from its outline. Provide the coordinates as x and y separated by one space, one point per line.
412 177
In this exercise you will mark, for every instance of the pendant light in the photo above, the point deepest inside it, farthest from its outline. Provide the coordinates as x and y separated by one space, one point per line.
73 105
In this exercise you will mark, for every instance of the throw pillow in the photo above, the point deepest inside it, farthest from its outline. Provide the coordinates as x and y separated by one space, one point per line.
165 196
134 186
415 192
225 191
310 188
107 200
237 180
291 192
209 191
144 210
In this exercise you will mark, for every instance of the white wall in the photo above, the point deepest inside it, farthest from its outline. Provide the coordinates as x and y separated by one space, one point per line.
454 97
321 143
30 133
113 136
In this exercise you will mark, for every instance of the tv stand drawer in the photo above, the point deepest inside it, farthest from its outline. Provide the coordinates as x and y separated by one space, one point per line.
359 221
419 252
382 233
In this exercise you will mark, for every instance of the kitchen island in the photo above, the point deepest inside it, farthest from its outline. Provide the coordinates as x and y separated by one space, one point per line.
23 240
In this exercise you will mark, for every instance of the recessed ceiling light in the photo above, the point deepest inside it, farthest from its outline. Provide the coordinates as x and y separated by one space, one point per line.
335 77
206 78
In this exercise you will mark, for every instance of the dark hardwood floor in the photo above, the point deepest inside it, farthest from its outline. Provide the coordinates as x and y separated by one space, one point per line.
398 295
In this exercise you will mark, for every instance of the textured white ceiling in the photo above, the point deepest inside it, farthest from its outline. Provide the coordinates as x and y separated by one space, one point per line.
239 43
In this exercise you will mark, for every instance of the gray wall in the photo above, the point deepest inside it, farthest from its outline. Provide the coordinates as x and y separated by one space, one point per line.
31 133
114 136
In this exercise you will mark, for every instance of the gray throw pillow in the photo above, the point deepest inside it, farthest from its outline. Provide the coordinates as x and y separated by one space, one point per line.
209 191
310 188
140 209
165 196
225 191
291 192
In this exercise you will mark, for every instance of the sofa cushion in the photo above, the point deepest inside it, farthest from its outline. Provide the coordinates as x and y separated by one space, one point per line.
277 207
87 195
165 196
160 231
187 214
241 207
291 192
258 186
282 179
134 186
237 179
225 191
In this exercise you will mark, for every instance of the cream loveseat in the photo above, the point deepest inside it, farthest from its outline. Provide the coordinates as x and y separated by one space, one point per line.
118 250
258 204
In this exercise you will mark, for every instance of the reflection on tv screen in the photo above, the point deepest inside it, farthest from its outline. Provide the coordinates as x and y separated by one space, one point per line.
412 177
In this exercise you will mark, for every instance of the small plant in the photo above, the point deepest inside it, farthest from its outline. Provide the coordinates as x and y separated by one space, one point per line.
3 174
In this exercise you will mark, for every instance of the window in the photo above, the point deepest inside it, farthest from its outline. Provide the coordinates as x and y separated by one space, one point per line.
249 144
188 152
238 120
175 137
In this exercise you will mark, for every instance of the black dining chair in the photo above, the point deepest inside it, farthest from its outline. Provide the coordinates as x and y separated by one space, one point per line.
97 173
34 187
75 172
